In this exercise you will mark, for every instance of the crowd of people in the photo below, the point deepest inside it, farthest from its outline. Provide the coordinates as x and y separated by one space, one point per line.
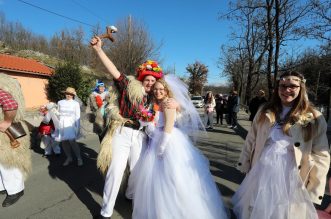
150 123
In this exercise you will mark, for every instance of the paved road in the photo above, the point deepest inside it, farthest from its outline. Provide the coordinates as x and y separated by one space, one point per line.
53 191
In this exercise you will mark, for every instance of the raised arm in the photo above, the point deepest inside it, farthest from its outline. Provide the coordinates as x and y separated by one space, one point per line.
97 46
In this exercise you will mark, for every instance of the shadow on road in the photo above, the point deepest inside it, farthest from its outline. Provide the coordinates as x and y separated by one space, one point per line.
241 131
84 180
227 173
81 180
221 131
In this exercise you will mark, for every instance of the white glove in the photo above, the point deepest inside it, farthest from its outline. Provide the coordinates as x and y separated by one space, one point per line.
163 144
150 128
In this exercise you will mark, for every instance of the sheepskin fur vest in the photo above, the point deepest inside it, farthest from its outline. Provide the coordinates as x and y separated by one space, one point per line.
19 157
135 92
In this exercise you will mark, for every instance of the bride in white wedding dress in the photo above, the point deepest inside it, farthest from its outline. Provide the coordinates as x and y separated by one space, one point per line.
172 179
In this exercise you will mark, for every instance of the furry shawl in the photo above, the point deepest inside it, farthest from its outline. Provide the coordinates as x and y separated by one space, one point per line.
135 93
19 157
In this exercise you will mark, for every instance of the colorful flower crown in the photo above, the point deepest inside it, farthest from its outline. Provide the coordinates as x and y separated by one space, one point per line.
149 67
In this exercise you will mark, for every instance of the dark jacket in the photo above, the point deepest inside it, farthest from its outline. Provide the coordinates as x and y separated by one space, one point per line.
254 105
233 103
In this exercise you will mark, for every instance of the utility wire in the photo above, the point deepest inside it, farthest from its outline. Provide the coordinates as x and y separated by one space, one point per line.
91 12
75 20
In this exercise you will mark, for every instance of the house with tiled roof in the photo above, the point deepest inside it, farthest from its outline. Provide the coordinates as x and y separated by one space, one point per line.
32 75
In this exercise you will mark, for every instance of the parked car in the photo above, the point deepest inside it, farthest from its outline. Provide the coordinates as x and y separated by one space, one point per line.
198 101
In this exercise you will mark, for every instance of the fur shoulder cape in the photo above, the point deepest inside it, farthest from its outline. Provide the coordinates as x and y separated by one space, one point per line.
135 92
19 157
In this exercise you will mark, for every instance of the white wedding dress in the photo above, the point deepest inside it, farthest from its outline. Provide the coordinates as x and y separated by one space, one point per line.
273 188
177 185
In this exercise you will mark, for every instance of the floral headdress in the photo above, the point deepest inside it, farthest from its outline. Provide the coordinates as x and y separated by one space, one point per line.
149 67
292 78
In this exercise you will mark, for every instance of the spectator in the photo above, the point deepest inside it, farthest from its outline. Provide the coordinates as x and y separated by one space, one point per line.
69 125
220 102
209 110
255 103
233 109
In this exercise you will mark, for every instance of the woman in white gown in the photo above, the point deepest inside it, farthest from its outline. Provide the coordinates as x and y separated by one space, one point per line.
172 178
69 125
285 156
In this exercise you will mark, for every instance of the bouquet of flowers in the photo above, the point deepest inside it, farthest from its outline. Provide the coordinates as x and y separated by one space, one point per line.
146 115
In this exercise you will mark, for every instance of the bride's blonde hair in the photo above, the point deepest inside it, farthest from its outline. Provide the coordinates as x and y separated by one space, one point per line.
166 87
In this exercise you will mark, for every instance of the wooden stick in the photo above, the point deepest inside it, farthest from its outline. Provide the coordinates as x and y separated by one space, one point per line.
109 33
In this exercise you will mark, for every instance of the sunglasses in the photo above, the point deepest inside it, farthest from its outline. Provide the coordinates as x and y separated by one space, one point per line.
290 87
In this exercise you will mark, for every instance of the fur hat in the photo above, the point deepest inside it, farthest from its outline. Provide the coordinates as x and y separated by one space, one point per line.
70 90
149 67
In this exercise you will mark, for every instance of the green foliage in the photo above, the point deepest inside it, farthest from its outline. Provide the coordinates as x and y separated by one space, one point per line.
69 75
198 77
86 85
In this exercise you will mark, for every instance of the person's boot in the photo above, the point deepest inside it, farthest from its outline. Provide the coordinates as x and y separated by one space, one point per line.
12 199
67 162
79 162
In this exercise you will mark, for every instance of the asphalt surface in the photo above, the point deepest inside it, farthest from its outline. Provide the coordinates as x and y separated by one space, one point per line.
54 191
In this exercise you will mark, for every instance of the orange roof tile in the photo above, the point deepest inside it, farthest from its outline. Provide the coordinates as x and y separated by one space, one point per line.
14 63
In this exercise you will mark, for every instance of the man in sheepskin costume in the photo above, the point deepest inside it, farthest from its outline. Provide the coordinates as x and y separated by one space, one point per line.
96 106
124 139
15 163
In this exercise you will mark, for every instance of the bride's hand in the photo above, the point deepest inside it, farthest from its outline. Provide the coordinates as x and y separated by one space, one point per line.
163 144
150 128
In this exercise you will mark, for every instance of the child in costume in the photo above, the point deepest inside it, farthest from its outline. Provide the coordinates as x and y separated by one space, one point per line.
46 130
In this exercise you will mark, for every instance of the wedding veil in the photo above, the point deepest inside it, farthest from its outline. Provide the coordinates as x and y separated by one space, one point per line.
188 119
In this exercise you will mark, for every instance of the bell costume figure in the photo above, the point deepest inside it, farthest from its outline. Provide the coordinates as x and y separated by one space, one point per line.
97 103
124 139
285 156
172 178
15 163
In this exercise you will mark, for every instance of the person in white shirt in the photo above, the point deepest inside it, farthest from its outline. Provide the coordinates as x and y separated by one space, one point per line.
209 110
69 125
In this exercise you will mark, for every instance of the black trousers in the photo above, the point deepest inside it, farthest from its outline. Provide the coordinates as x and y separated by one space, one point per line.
219 116
234 120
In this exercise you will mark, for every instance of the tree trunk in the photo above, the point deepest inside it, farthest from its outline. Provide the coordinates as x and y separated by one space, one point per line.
270 47
249 83
277 31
